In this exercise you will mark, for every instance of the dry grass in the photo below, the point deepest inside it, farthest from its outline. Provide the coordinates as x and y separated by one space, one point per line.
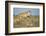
29 21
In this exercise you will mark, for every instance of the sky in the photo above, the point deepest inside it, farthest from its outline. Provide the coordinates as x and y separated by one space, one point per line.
34 11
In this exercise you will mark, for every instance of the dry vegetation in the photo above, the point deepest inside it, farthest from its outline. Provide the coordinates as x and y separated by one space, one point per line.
29 21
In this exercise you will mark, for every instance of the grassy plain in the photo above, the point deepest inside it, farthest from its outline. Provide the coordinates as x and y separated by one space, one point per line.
29 21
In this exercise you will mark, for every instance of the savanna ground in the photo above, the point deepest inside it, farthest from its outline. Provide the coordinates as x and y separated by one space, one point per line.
29 21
